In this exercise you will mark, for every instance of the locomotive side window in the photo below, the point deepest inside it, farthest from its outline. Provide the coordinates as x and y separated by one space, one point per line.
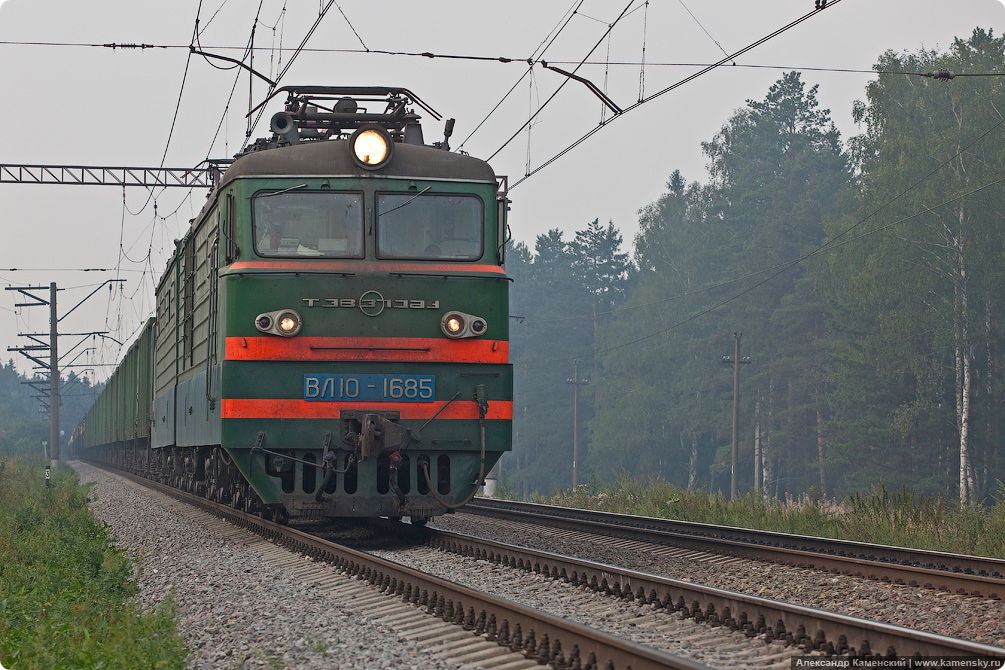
298 224
429 227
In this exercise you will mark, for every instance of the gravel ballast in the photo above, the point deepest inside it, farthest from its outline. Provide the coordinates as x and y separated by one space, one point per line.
235 610
970 618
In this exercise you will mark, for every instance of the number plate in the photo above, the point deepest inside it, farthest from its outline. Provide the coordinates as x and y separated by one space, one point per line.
370 388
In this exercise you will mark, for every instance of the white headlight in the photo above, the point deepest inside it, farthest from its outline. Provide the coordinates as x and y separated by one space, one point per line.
371 147
289 324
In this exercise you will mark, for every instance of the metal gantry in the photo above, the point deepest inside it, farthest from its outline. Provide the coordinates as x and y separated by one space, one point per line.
91 175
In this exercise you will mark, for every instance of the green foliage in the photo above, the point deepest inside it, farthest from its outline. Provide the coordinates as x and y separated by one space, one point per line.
664 400
904 519
22 428
23 425
915 339
562 295
68 599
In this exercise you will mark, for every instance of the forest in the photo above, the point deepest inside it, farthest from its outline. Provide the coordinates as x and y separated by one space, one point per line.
24 418
863 278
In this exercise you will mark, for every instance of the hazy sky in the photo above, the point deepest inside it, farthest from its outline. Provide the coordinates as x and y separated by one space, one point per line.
84 105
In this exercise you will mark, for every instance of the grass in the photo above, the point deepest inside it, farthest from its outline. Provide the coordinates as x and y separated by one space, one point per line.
67 597
901 519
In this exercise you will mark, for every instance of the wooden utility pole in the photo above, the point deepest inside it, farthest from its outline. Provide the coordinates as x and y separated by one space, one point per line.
736 362
576 383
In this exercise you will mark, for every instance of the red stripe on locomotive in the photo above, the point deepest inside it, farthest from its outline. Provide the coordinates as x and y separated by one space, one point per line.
398 349
286 408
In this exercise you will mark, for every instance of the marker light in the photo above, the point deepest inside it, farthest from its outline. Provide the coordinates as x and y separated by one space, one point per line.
372 147
456 325
285 322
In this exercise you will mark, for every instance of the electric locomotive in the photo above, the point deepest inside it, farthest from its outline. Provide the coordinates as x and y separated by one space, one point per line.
331 334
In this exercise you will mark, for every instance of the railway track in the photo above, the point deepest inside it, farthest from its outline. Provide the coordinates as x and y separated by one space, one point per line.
483 625
811 629
418 604
953 573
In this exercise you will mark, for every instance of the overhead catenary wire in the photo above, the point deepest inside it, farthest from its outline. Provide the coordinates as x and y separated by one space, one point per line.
538 52
174 118
351 27
666 90
289 63
564 82
248 54
703 29
507 59
642 66
136 300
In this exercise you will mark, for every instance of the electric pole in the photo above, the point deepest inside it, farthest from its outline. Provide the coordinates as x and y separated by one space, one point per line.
576 383
52 347
736 362
53 378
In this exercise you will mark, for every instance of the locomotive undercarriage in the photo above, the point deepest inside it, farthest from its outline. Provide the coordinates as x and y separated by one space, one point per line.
205 471
211 472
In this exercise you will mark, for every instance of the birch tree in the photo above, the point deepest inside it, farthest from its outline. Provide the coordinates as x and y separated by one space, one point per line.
928 267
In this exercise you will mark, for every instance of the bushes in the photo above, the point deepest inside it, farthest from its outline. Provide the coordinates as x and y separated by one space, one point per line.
66 593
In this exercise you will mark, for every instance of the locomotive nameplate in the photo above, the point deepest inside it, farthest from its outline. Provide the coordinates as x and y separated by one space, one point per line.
369 388
372 303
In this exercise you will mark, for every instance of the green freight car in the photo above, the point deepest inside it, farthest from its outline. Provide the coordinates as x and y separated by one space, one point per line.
331 335
121 413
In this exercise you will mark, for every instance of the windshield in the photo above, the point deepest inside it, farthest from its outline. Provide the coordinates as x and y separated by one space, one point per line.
309 224
433 227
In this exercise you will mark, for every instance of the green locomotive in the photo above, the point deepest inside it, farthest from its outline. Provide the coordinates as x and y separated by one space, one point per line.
331 335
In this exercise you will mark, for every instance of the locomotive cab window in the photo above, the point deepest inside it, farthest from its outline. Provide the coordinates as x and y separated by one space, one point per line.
429 227
299 224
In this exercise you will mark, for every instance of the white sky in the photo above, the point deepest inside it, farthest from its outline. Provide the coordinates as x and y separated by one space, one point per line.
94 106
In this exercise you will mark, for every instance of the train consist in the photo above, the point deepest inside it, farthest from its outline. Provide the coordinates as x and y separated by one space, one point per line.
331 334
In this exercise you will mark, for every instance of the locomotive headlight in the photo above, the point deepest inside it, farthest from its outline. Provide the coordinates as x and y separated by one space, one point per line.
453 325
285 322
289 324
456 325
371 147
